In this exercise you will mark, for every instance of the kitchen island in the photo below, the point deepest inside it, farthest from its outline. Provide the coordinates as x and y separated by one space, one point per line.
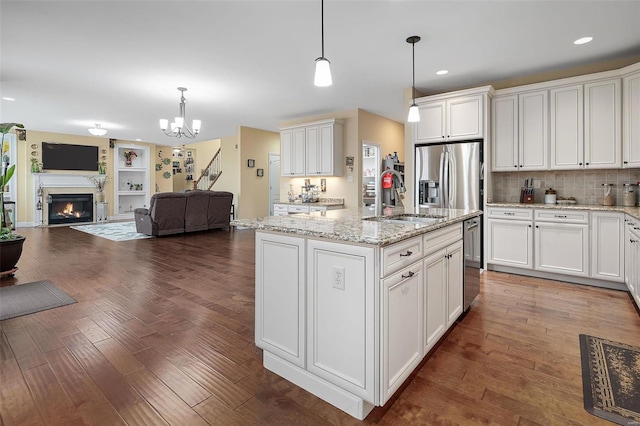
348 303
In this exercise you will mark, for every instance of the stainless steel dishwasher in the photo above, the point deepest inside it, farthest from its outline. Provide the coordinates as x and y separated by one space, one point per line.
472 229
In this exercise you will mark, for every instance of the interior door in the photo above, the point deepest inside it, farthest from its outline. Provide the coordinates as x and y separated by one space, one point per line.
274 181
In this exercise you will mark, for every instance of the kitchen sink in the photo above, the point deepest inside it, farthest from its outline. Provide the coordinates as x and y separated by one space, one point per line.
407 218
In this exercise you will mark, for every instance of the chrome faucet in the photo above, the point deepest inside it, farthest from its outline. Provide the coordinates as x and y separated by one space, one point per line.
401 189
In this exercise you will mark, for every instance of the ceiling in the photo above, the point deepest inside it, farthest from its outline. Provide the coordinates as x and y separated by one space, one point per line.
70 64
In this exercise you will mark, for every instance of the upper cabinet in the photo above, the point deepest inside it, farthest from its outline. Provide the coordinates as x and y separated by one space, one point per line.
603 124
520 131
573 123
630 120
586 126
456 116
313 149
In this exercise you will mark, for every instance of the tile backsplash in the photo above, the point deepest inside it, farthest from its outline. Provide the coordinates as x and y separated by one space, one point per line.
584 185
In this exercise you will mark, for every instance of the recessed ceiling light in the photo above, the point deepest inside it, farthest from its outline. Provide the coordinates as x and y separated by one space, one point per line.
442 72
6 98
583 40
138 140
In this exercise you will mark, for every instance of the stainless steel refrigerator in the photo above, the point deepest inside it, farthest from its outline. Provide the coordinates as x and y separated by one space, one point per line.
450 175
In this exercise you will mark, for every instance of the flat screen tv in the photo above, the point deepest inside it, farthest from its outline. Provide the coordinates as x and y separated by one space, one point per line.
62 156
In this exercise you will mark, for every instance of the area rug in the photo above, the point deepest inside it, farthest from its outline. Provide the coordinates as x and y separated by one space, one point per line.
23 299
611 379
116 231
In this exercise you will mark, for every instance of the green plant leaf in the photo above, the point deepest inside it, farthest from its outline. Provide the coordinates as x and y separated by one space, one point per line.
4 179
5 127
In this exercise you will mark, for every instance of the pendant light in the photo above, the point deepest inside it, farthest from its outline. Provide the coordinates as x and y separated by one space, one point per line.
414 112
323 69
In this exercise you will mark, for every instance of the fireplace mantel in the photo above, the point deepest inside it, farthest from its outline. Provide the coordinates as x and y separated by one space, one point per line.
56 180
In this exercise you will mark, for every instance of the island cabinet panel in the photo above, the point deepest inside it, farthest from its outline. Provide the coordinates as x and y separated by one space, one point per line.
402 308
341 316
280 296
455 268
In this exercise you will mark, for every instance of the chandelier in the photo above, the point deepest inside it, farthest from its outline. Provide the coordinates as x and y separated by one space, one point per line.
179 127
97 130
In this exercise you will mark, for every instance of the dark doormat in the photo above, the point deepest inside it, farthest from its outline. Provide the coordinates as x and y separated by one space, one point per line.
611 379
23 299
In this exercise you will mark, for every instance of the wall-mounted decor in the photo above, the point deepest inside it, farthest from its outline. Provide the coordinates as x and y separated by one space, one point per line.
34 146
166 161
158 167
166 175
260 172
251 163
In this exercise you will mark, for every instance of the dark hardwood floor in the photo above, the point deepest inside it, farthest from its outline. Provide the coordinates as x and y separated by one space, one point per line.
163 334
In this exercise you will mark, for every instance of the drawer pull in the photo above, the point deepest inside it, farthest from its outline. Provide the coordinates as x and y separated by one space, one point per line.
409 275
510 213
407 254
564 216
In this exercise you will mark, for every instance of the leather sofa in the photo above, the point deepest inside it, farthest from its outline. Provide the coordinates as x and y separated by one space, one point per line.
179 212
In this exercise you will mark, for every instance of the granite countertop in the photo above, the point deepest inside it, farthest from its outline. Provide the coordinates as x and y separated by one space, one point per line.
631 211
329 202
351 225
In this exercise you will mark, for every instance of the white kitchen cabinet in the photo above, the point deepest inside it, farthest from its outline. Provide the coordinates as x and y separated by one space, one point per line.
630 121
435 298
455 270
443 294
340 316
511 240
567 127
312 149
520 132
603 124
504 120
324 149
280 296
402 319
607 246
292 152
533 133
632 257
451 119
562 248
132 185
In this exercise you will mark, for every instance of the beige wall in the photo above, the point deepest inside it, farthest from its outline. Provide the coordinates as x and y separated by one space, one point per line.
255 144
163 184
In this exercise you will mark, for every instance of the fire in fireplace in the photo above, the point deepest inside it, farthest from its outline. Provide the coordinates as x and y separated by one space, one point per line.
70 208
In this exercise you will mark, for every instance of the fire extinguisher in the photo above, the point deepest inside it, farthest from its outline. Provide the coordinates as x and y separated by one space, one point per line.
387 181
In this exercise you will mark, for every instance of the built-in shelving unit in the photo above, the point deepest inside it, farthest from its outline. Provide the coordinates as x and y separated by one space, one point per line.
131 184
370 169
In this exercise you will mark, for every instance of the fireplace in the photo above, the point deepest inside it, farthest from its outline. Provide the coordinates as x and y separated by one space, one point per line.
70 208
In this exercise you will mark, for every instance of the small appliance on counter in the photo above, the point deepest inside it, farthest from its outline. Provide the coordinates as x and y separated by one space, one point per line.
550 196
309 194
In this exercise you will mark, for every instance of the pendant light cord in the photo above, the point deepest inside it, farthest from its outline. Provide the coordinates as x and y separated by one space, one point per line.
413 63
322 24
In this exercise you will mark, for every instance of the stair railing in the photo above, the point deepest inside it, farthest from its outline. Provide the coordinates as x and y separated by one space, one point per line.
210 174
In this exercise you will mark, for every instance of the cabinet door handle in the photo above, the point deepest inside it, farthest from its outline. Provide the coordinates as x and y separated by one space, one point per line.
515 165
407 254
580 164
537 227
509 213
409 275
586 164
529 226
564 216
625 162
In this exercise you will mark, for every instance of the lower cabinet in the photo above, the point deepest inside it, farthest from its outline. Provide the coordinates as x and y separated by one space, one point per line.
562 248
607 246
443 292
632 258
570 242
402 319
511 242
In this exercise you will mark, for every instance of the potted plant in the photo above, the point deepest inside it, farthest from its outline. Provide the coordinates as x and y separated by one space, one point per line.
10 243
129 155
100 182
